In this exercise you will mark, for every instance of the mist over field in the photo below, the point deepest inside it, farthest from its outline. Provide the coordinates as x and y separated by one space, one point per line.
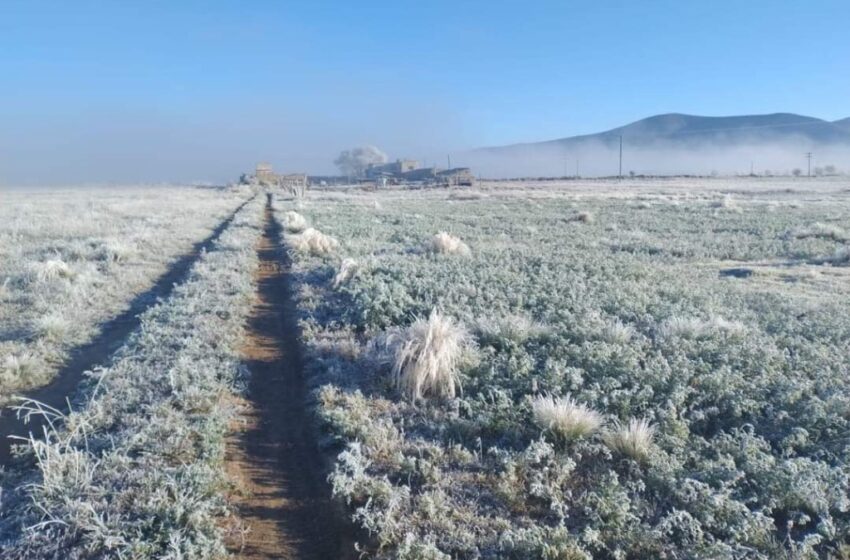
597 159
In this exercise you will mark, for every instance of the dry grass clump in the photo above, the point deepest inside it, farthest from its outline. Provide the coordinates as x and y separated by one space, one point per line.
565 417
53 326
294 222
347 269
117 251
314 242
515 328
841 256
822 231
633 440
427 355
616 332
584 217
16 367
5 291
727 203
694 327
53 269
447 244
466 195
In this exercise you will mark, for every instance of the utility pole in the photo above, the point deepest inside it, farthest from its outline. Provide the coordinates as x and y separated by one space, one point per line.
576 168
449 157
809 158
621 156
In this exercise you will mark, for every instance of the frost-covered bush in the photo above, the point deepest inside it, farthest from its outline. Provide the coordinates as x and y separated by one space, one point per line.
347 269
53 269
294 222
313 241
427 355
565 417
444 243
633 439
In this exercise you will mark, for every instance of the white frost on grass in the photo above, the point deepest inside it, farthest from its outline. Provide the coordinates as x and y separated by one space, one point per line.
347 269
294 222
427 355
149 430
314 242
565 417
444 243
53 269
632 440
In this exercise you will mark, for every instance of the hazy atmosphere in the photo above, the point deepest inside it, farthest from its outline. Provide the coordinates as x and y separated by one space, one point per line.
312 280
123 92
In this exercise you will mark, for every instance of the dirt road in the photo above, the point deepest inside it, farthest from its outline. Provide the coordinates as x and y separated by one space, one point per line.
283 501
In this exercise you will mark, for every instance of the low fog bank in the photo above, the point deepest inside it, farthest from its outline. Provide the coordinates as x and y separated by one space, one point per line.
599 160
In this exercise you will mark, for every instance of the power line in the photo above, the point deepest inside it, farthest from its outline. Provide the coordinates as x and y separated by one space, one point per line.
621 157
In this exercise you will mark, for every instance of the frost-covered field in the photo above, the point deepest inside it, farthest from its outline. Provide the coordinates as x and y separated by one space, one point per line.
660 369
71 259
136 470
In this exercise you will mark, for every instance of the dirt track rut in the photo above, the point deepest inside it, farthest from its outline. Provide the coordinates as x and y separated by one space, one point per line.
282 499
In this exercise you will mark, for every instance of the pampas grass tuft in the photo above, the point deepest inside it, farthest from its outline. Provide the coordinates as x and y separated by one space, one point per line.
565 417
446 244
633 440
427 355
294 222
314 242
347 269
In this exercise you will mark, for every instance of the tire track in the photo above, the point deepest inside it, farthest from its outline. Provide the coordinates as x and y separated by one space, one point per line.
282 498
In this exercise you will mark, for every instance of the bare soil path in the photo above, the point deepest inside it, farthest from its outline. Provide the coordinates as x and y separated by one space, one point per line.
112 335
282 498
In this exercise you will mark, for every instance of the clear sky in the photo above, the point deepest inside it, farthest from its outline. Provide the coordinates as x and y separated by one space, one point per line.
152 90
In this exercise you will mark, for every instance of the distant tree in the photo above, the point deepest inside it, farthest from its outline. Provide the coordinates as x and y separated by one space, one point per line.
632 174
818 171
355 161
796 172
830 170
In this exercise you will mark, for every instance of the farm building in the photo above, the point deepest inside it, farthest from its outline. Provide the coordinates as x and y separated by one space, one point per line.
392 169
264 175
408 171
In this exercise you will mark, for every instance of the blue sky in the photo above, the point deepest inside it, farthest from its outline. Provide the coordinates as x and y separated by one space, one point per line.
168 90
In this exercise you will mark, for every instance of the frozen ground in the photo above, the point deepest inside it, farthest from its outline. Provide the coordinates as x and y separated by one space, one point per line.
71 259
652 368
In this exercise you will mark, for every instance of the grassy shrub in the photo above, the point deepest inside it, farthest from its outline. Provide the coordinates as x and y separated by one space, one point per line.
446 244
294 222
820 231
427 355
565 417
633 440
53 326
53 269
314 242
347 269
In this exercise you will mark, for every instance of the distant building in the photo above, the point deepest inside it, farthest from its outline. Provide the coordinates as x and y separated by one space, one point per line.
392 169
264 174
408 171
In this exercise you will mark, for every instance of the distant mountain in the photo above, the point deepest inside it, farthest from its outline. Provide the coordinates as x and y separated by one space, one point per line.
843 123
686 131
